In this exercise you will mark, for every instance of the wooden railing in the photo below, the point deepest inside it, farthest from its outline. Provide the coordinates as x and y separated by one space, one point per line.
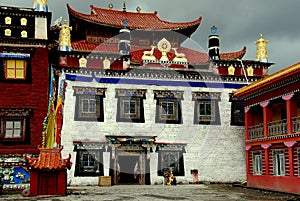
256 131
296 124
277 128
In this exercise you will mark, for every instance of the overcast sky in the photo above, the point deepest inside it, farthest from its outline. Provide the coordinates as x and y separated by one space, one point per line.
239 22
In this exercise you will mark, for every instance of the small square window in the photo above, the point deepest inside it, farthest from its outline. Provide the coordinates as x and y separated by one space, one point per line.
89 108
89 103
15 69
207 112
171 160
89 163
130 109
14 125
168 111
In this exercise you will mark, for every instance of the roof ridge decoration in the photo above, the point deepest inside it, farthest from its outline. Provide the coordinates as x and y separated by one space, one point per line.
268 80
136 20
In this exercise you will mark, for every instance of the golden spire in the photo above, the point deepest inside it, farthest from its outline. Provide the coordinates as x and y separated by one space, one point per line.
261 49
110 6
138 9
124 6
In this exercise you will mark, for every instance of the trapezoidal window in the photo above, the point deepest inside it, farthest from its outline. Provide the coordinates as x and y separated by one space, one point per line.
206 108
130 106
168 106
170 158
89 104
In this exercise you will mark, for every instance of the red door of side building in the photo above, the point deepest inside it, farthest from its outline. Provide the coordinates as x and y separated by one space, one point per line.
48 182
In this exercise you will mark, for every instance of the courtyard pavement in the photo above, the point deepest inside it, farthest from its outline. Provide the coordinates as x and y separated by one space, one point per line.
160 193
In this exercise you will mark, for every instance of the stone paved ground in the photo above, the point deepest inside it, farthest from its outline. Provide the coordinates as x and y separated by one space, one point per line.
161 193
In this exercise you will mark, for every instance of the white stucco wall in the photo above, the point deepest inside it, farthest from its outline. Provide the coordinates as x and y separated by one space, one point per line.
217 151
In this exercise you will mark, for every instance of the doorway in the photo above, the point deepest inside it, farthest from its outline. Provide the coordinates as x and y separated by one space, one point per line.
127 165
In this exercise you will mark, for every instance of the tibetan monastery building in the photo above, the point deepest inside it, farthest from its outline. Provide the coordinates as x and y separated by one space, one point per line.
136 102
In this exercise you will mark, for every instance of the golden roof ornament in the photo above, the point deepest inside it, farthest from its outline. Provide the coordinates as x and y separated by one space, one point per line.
231 70
82 62
138 9
164 46
40 5
179 57
110 6
261 49
65 37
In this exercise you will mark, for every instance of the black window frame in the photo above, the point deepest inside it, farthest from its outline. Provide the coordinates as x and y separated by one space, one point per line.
28 71
98 163
212 98
89 93
135 96
176 166
21 115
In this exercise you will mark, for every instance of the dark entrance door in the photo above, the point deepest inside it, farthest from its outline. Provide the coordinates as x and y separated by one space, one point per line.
48 184
127 165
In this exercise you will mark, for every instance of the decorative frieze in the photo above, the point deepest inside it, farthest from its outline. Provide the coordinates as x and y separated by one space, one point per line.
168 94
79 145
206 95
15 112
140 93
171 147
88 91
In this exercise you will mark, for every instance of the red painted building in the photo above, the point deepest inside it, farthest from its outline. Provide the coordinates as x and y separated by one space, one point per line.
24 78
272 130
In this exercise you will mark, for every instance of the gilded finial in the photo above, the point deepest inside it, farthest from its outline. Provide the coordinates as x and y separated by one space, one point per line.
110 6
124 6
138 9
65 37
261 49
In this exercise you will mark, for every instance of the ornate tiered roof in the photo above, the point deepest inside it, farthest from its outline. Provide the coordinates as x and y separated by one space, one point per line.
135 20
49 159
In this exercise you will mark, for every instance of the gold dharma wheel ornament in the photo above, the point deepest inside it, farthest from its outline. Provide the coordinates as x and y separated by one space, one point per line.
164 46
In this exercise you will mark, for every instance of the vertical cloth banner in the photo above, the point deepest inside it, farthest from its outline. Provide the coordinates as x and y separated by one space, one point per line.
59 109
49 132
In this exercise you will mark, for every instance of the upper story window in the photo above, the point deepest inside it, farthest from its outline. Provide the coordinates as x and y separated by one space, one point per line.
15 69
168 106
89 104
14 124
207 108
130 106
237 111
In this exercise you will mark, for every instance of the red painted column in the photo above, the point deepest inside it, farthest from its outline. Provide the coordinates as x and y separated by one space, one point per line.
266 147
248 122
247 160
291 111
267 113
290 145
